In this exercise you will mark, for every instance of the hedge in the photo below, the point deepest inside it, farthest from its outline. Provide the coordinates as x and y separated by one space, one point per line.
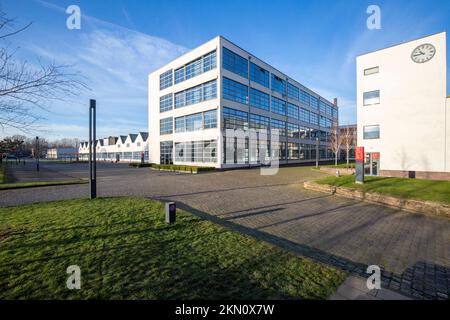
176 167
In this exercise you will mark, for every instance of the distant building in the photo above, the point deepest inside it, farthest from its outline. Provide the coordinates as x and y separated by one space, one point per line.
62 154
403 109
129 148
353 130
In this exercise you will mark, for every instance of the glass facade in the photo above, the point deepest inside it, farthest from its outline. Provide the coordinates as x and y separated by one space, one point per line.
295 104
259 123
235 119
196 151
234 91
235 63
259 99
314 102
278 84
210 119
293 130
166 126
278 127
196 121
165 80
165 103
166 152
196 67
305 98
197 94
259 75
293 111
305 115
278 106
293 92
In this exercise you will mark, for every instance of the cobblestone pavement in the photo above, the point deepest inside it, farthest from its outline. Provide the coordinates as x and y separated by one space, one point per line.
413 250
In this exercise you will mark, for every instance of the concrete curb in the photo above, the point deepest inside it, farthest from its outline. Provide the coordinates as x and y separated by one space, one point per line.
415 206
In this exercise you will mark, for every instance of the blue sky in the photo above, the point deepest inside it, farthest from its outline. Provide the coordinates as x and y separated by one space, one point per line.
120 42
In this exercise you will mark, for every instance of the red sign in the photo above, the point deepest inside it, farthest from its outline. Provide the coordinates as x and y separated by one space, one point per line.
375 155
359 154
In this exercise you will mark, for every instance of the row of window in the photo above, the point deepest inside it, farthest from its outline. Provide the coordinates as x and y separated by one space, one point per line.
235 91
239 120
196 67
239 65
196 151
189 70
192 122
197 94
237 150
196 121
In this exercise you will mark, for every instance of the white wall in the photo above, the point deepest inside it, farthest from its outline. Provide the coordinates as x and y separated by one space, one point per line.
412 113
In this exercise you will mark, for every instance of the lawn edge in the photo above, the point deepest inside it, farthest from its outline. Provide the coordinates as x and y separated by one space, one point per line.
11 186
409 205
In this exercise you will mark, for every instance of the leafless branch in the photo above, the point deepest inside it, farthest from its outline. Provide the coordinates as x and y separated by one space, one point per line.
26 88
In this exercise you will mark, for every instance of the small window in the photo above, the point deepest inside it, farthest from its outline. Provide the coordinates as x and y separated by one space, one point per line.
368 72
371 97
371 132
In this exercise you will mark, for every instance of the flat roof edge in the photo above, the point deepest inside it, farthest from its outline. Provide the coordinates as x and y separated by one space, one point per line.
398 44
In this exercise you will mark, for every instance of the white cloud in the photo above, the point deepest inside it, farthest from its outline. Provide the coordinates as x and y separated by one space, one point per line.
116 62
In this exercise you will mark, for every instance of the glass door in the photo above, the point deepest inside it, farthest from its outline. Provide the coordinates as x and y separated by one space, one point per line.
372 164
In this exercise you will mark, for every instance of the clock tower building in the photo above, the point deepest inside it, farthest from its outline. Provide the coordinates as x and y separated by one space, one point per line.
403 109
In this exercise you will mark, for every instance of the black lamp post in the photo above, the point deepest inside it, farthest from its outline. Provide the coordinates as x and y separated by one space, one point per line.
92 151
37 153
317 152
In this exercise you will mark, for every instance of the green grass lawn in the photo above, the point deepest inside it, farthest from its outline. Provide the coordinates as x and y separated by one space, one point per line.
126 251
430 190
18 185
343 165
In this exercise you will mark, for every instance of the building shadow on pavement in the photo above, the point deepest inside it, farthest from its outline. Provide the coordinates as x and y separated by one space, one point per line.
423 280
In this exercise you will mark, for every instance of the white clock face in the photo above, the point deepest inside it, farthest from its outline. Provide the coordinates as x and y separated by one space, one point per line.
423 53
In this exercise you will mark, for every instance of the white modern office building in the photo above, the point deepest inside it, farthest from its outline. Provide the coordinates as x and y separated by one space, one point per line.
129 148
403 110
218 105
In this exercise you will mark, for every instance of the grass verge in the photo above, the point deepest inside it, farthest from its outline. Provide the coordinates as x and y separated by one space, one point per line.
126 251
427 190
20 185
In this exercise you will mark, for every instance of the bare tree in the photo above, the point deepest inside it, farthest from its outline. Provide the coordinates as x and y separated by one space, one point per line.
26 89
348 140
335 141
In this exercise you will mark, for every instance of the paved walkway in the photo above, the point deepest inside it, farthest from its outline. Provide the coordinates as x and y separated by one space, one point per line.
355 288
27 172
413 250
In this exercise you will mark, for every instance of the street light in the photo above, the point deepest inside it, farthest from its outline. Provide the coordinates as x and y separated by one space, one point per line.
317 152
92 151
37 153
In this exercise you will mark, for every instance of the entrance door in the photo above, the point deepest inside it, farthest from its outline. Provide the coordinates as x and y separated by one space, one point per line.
372 164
